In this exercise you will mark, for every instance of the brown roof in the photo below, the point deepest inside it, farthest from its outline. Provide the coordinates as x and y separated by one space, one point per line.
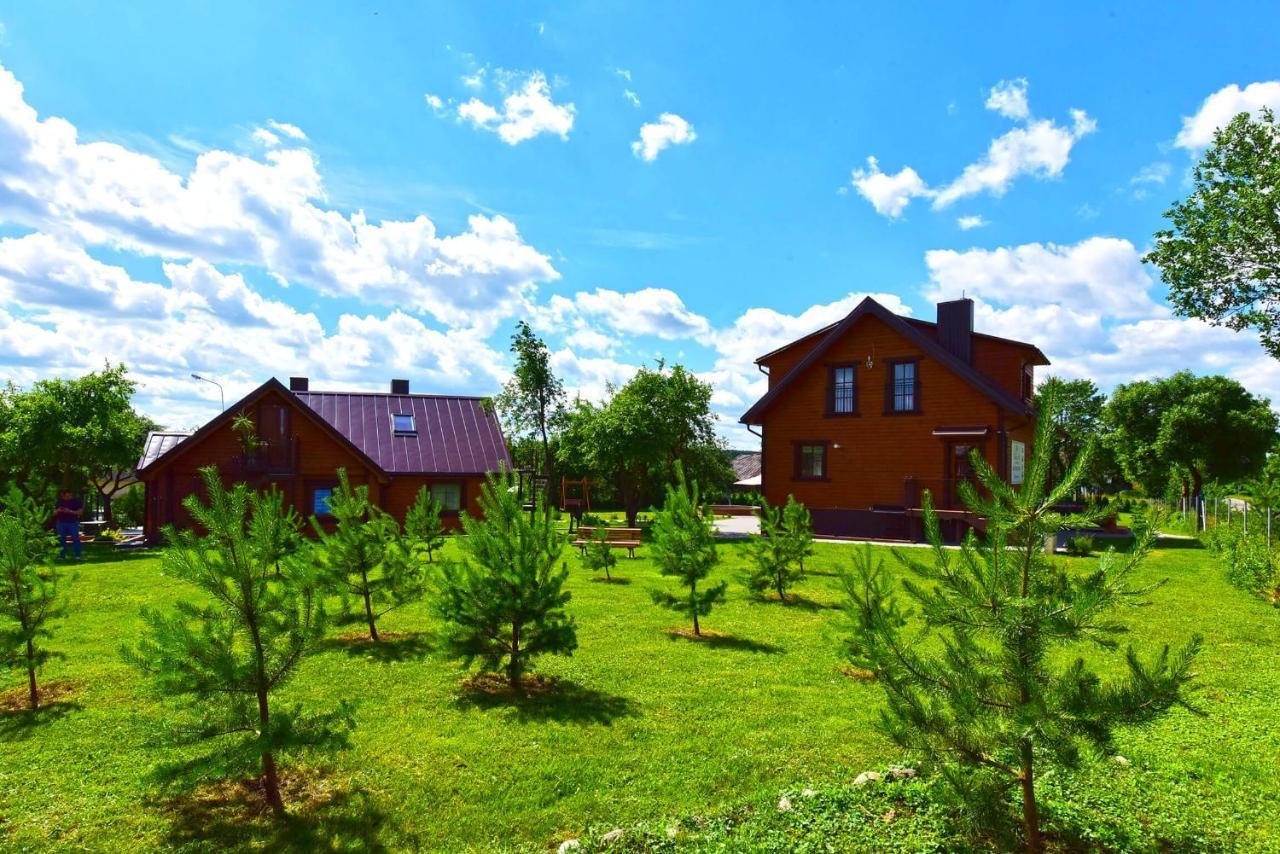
912 333
746 464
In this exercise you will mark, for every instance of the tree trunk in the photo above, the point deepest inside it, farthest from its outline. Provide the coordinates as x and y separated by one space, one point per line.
631 503
782 591
1197 481
693 606
33 694
271 784
368 613
1030 812
515 665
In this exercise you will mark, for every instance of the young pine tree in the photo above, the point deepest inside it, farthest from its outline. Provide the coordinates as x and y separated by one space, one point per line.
229 654
684 546
995 701
365 557
277 529
797 526
29 594
504 603
423 526
598 556
773 554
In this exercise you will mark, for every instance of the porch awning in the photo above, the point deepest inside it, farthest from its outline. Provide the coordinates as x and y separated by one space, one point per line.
962 432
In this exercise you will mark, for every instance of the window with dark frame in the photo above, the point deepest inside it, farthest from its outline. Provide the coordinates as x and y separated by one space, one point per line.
448 496
320 501
402 424
811 461
842 398
903 387
1028 382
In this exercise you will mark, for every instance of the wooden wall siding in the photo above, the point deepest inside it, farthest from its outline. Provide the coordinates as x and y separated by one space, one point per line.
877 451
1002 362
403 490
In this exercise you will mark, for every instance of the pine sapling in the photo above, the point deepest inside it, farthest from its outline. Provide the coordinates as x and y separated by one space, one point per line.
598 555
365 557
278 528
504 603
29 588
684 546
229 654
995 700
797 525
423 526
773 555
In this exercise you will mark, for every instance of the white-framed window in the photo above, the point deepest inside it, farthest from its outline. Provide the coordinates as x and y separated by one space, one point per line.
402 424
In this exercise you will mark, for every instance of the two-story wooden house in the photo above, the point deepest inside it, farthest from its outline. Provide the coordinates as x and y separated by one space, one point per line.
862 417
394 443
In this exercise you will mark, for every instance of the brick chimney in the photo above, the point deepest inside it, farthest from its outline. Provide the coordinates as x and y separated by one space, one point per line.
298 384
399 386
955 328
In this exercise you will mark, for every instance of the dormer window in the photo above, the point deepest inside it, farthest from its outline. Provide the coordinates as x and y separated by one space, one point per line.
402 424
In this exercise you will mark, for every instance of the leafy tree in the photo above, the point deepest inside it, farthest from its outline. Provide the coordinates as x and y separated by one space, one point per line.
797 531
533 400
988 692
1205 427
504 603
684 546
29 587
229 655
65 432
1080 421
1221 255
598 555
658 418
365 556
773 554
423 526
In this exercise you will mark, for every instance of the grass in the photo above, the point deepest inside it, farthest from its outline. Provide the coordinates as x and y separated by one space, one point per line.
647 730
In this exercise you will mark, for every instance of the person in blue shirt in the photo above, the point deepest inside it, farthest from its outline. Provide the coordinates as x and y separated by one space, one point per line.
66 522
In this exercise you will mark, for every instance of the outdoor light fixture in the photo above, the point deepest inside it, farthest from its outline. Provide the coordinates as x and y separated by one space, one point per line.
871 362
221 395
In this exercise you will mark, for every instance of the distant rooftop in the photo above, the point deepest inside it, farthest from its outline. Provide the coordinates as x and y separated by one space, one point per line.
159 442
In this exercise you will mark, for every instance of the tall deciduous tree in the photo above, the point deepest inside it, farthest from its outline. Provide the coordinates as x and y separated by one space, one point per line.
1208 427
533 400
1080 421
504 603
1220 256
29 588
232 652
66 432
996 700
365 557
658 418
684 547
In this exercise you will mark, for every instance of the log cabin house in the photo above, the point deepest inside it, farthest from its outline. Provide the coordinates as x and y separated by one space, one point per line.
863 416
395 443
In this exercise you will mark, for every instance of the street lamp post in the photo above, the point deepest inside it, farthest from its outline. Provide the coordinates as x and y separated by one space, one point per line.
221 395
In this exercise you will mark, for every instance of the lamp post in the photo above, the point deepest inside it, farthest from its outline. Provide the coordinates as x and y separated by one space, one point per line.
221 395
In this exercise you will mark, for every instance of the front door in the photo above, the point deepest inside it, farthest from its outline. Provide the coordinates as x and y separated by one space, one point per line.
959 469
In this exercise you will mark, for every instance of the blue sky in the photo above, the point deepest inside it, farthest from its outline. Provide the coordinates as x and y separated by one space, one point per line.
366 190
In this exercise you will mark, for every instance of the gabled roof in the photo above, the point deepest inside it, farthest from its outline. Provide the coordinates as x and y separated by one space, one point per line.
907 330
746 464
453 435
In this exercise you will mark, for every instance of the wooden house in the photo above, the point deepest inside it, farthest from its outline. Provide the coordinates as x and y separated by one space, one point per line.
395 443
863 416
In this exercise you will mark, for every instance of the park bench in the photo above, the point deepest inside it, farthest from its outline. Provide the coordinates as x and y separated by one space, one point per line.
618 538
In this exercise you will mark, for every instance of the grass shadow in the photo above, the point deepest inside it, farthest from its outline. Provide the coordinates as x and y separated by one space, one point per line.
232 815
617 579
1177 541
546 700
716 640
393 647
796 601
17 721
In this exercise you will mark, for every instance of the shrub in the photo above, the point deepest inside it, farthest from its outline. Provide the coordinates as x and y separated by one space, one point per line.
1249 563
127 510
1081 545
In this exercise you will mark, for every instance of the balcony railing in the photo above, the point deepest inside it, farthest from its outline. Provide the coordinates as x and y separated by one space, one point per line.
279 457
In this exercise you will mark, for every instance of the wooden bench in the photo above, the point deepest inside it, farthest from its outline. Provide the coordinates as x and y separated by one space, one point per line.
618 538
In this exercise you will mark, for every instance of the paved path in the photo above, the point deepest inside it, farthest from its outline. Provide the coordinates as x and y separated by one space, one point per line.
737 527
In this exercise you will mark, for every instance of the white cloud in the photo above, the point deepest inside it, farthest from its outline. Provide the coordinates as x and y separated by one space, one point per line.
1009 99
968 223
268 213
888 194
1221 107
1151 175
649 311
291 131
1038 147
435 102
266 138
670 129
631 97
624 73
526 113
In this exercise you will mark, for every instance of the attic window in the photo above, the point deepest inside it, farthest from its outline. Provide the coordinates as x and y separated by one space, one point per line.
402 424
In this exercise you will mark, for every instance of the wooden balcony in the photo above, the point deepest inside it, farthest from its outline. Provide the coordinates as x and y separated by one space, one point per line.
270 459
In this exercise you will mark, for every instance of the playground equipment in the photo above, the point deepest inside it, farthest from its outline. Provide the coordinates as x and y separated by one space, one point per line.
577 503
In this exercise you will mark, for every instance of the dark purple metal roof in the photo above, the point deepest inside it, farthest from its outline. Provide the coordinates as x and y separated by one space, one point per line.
453 435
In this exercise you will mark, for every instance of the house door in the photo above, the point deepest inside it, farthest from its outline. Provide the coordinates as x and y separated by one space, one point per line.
959 469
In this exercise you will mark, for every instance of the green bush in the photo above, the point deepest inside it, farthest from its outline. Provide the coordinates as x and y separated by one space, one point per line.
127 508
1249 563
1081 545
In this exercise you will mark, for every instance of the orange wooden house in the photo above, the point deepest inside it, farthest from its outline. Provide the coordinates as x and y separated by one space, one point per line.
863 416
395 443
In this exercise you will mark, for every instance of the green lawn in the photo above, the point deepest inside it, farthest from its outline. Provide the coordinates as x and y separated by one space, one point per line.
647 731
